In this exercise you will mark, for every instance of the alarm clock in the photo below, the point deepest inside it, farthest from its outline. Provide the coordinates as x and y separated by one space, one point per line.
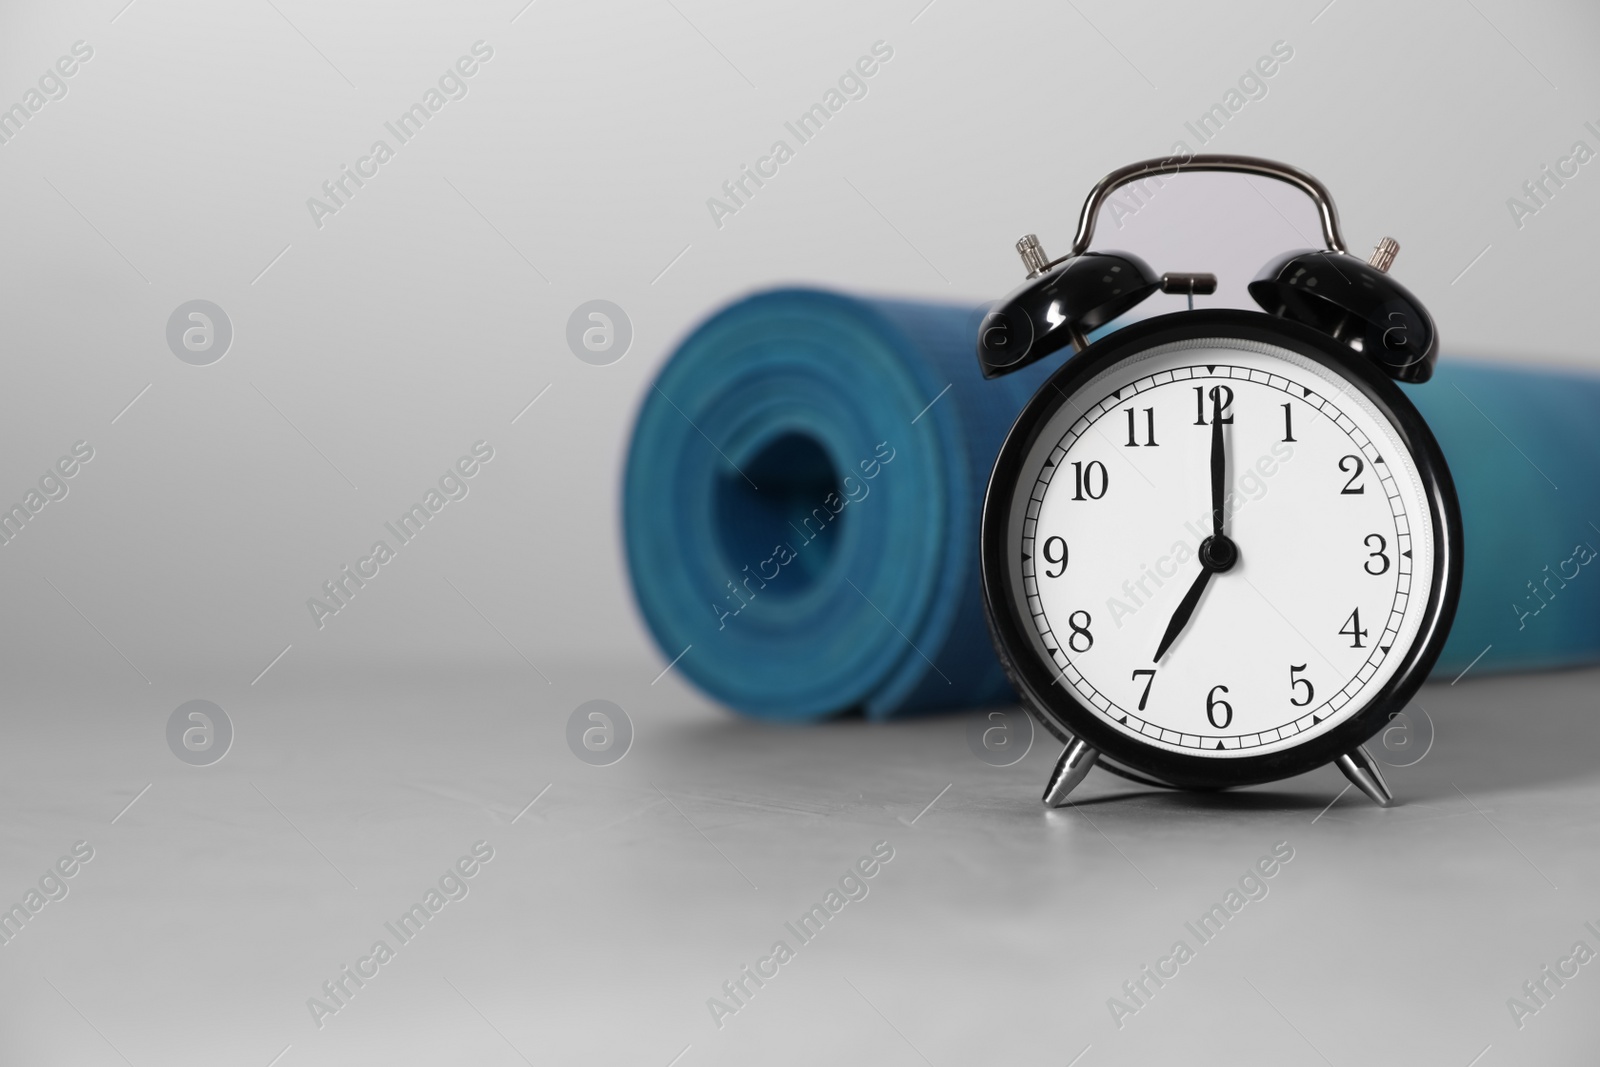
1219 547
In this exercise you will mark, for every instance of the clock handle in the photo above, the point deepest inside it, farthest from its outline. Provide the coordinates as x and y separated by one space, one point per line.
1071 769
1363 772
1151 168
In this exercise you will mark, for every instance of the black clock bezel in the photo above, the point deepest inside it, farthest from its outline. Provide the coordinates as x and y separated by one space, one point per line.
1059 709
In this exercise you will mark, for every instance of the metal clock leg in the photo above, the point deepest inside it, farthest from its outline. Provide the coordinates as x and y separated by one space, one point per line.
1363 772
1072 768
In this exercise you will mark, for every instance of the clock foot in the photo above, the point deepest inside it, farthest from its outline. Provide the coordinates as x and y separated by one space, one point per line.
1362 770
1072 768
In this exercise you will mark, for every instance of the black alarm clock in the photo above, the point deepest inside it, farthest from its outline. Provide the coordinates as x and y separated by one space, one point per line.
1219 547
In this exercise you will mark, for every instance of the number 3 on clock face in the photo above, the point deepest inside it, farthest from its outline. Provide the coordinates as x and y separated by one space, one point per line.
1173 632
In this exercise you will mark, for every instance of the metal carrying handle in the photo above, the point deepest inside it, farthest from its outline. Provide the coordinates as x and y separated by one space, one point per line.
1266 168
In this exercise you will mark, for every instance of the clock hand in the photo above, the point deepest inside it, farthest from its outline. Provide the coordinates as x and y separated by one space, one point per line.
1185 609
1219 464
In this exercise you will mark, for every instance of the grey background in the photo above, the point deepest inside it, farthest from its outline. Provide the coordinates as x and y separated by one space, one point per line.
369 354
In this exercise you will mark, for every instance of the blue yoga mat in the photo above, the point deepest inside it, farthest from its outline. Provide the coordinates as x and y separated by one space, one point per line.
802 495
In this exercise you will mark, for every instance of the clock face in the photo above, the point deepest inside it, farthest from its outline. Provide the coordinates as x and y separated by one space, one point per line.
1286 638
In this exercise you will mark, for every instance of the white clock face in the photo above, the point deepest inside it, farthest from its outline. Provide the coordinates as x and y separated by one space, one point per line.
1322 500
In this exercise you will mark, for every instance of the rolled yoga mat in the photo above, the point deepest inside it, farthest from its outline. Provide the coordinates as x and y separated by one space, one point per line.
803 488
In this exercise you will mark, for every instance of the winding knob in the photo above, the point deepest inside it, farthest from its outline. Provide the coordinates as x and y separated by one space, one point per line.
1383 256
1032 253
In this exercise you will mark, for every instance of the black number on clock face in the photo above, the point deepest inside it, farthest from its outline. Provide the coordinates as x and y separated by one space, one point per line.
1060 556
1376 555
1352 629
1149 677
1084 478
1350 487
1149 428
1221 398
1215 707
1296 683
1288 425
1080 629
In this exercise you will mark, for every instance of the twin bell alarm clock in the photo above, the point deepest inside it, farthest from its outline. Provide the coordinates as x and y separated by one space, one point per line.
1219 547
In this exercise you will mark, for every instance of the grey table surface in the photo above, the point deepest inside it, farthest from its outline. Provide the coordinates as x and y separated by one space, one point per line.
621 899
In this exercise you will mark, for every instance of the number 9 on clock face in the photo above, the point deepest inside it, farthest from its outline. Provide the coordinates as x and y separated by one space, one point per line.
1215 548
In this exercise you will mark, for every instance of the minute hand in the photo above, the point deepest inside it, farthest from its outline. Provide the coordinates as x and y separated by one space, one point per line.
1219 462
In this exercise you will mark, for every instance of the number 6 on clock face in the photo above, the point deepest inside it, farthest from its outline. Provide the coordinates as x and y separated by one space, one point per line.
1245 638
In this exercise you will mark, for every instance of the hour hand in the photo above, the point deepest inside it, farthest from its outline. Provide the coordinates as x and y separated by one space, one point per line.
1186 607
1217 554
